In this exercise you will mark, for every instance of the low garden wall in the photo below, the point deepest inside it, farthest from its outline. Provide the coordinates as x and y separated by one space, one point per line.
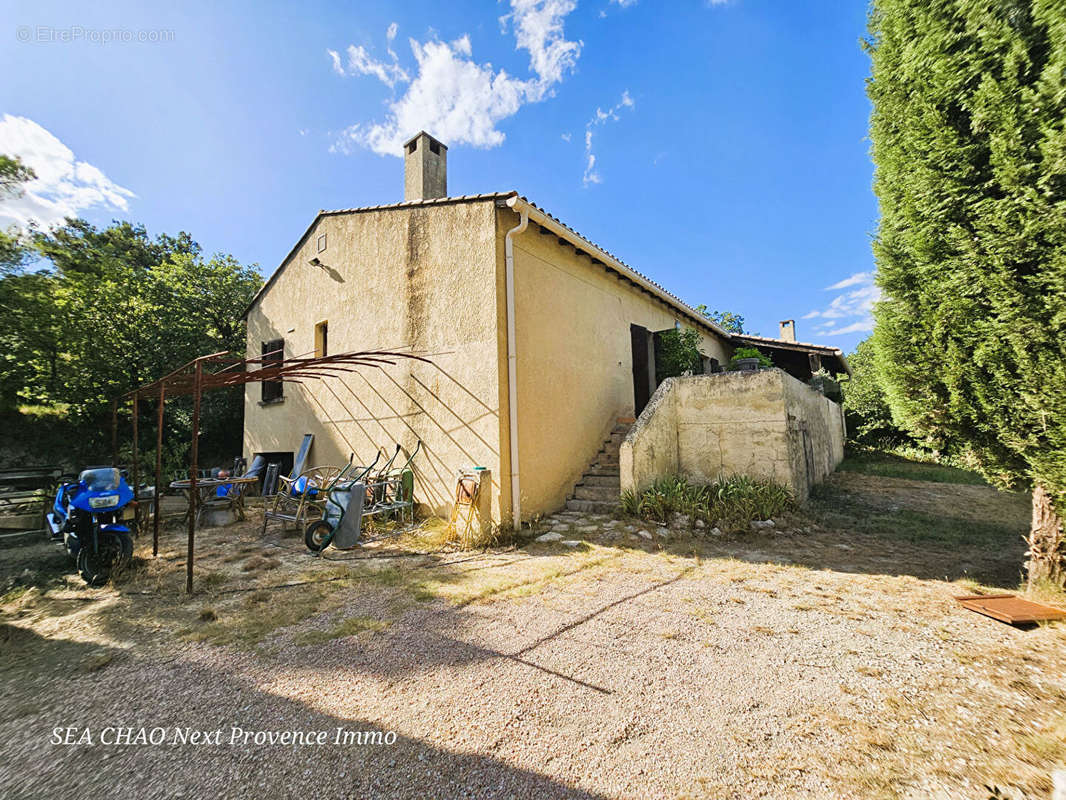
763 424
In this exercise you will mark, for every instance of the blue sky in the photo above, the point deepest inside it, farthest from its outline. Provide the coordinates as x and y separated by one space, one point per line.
718 147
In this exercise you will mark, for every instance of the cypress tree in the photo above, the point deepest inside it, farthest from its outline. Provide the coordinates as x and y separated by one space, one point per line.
969 145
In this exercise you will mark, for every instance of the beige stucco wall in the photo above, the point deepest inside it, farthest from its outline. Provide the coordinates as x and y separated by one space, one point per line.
764 424
817 432
653 447
419 277
574 359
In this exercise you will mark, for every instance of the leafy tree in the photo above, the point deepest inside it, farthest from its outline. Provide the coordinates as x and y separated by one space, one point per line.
106 310
865 404
20 296
969 144
13 249
13 174
734 323
677 351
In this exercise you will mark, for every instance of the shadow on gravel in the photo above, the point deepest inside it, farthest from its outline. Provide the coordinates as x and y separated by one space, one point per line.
438 636
180 695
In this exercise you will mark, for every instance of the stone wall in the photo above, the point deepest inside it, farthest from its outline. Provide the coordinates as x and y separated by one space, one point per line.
764 424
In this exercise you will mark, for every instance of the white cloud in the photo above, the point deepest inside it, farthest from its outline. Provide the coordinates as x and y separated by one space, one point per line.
850 312
863 326
538 29
565 137
625 3
457 99
360 62
859 278
64 187
591 176
335 58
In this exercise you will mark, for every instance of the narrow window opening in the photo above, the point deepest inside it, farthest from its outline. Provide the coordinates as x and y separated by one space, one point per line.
273 354
434 147
412 146
322 243
322 339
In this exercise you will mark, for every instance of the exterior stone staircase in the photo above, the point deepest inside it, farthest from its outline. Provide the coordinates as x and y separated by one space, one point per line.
599 488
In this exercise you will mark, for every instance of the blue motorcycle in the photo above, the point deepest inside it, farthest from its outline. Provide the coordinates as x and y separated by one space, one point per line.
88 516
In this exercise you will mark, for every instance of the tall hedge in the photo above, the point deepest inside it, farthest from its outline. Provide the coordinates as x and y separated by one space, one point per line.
969 146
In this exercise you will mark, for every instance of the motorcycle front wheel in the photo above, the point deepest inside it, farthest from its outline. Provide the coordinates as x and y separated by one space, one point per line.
114 550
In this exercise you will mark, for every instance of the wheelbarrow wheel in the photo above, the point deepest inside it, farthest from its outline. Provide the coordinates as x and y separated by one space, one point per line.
317 536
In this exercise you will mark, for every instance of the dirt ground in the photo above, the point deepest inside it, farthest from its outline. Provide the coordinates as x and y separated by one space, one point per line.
821 658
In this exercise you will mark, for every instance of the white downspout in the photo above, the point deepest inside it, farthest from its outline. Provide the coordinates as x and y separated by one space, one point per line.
512 369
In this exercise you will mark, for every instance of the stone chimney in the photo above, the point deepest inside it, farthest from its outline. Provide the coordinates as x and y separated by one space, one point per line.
788 330
425 168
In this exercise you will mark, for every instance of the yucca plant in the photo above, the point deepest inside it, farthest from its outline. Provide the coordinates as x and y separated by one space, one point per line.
732 502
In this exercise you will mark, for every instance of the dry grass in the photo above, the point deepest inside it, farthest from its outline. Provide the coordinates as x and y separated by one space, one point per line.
350 626
259 563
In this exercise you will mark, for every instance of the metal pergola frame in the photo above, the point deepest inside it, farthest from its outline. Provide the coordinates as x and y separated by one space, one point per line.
193 379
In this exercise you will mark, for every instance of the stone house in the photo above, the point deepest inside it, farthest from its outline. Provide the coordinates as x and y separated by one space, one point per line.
542 346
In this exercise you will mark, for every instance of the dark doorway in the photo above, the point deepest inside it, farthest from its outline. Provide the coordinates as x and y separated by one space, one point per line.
643 367
282 459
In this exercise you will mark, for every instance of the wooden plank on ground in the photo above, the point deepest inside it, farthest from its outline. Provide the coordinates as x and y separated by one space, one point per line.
1011 609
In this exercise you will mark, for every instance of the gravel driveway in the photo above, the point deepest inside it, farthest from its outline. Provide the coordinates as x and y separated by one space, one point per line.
802 662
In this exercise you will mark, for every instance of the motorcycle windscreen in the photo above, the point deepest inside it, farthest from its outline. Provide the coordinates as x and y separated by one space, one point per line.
351 528
104 479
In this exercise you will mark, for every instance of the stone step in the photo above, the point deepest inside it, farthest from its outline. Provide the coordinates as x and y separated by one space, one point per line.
604 469
603 472
592 506
605 493
588 479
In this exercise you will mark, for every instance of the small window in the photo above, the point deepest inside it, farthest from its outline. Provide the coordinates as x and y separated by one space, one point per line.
412 145
321 242
321 339
434 147
273 355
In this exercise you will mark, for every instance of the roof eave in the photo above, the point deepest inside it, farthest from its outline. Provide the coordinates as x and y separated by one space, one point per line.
542 218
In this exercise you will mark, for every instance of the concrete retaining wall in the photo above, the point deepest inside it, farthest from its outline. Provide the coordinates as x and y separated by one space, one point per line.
764 424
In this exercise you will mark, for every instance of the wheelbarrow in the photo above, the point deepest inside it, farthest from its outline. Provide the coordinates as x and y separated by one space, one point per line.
342 512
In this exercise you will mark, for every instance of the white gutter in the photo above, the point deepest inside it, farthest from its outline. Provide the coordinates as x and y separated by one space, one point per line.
526 208
512 366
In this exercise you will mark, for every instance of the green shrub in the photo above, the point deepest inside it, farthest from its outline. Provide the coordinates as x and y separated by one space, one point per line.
677 352
730 502
748 352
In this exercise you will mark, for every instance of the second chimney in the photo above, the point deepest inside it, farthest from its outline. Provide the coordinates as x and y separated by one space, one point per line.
425 168
788 330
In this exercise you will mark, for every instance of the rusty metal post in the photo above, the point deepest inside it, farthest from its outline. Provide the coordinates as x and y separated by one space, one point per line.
136 457
158 471
194 468
114 433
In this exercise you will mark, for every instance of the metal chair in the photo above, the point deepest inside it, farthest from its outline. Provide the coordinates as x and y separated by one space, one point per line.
300 498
